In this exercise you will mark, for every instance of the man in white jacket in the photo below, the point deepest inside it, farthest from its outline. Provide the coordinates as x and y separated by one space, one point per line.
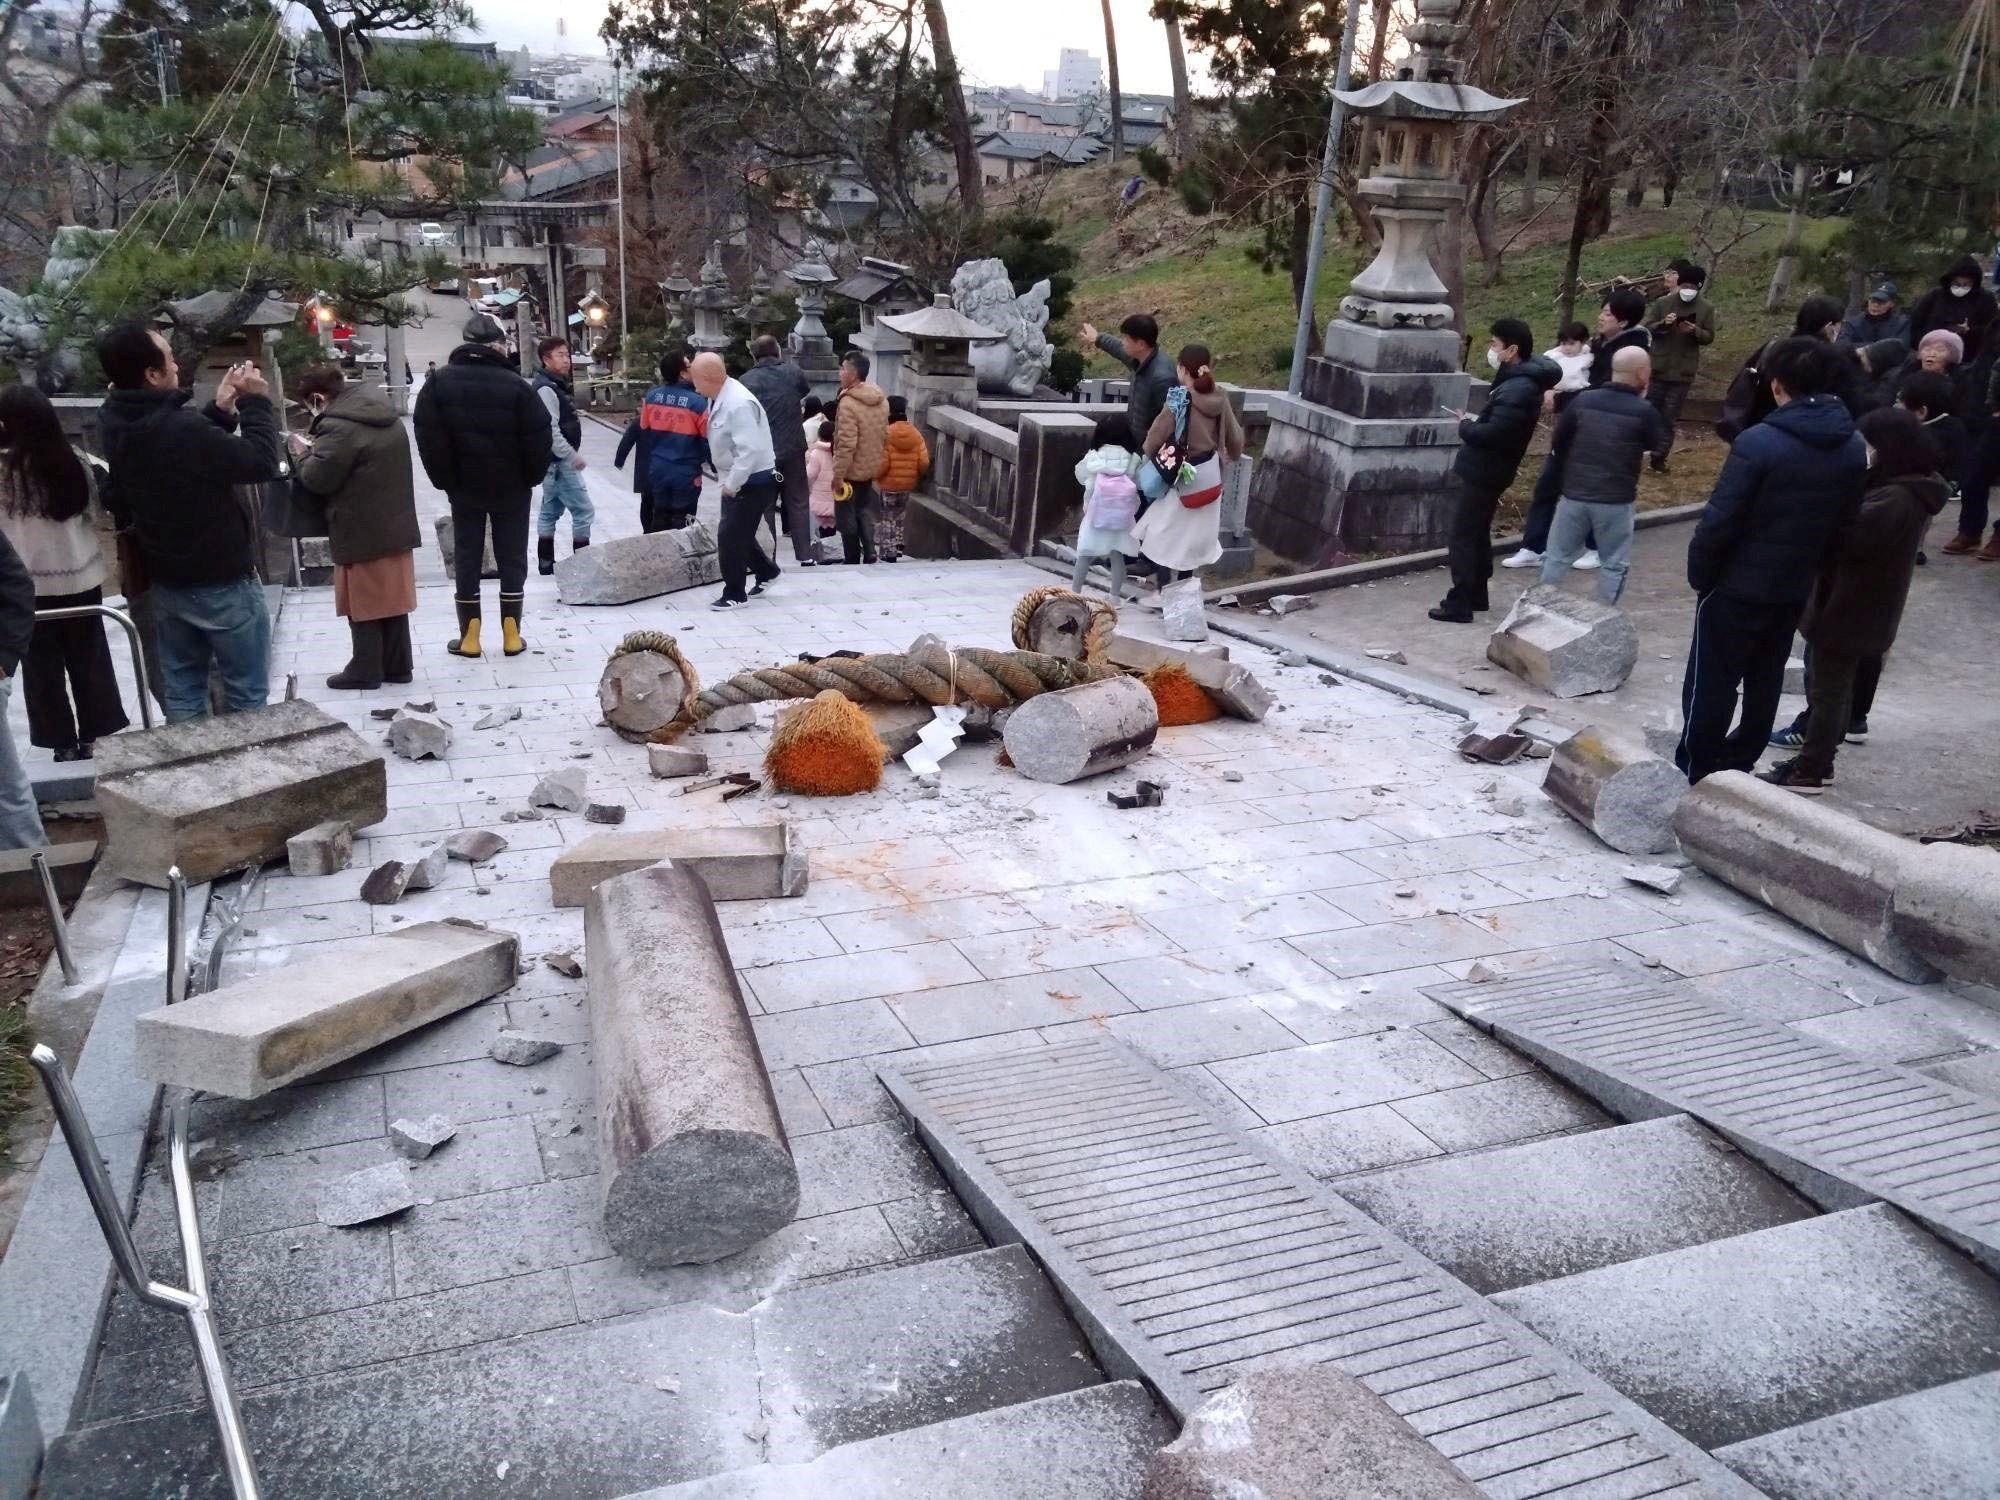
739 445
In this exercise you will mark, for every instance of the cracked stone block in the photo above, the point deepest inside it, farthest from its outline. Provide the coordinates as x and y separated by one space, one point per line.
566 790
736 863
325 849
221 794
386 883
604 812
564 963
640 567
1617 789
518 1049
1290 604
673 761
1081 731
417 1139
499 717
1565 644
427 869
415 736
1662 878
257 1034
1182 614
474 845
1235 691
365 1196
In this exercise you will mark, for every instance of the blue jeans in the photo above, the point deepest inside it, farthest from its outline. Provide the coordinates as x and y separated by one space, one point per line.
20 819
1576 521
225 623
564 490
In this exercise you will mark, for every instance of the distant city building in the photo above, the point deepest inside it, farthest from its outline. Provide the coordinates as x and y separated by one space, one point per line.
1075 74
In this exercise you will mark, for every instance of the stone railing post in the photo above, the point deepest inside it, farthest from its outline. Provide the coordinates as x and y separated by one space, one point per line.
1045 487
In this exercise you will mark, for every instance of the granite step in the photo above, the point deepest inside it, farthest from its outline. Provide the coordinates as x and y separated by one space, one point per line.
1936 1444
1554 1208
1083 1445
1743 1337
605 1409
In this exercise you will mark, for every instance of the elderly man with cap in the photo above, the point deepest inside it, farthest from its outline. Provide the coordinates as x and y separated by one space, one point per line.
485 440
1881 319
746 467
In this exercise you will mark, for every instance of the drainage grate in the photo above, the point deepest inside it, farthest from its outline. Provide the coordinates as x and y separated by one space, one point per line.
1842 1129
1188 1253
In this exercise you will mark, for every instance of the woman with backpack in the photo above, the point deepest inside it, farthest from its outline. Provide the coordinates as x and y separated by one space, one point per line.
1197 431
45 512
1110 504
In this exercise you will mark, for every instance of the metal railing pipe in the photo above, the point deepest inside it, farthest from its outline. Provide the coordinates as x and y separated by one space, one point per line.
58 925
124 621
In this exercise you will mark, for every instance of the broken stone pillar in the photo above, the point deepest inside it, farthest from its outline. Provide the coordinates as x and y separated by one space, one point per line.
1081 731
1565 644
640 567
1235 690
263 1032
1824 869
1182 614
693 1158
738 864
221 794
1300 1432
640 692
1616 788
1947 909
489 566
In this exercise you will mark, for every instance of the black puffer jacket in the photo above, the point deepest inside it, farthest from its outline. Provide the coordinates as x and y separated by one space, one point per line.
482 432
1789 485
17 607
1638 336
173 480
1490 445
1966 316
1600 440
1864 583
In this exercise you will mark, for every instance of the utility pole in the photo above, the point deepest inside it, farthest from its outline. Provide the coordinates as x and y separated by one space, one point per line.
1329 165
624 317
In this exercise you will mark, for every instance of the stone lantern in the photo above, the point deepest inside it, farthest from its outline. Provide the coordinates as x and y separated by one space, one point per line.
883 289
940 367
1362 463
708 305
811 345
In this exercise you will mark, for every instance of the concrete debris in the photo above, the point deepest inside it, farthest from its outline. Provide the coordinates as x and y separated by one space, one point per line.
427 869
564 963
365 1196
1235 691
729 719
428 706
1496 744
669 762
384 715
1145 794
1232 776
737 779
604 812
211 1159
1289 604
1182 616
1484 690
474 845
1662 878
1483 973
324 849
757 863
1386 653
1509 804
417 1139
499 717
1294 659
416 736
386 883
519 1050
523 815
1564 643
566 790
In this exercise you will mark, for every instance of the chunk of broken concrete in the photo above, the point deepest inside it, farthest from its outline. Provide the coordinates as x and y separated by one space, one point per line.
499 717
417 1139
1289 604
1565 644
1294 659
1235 691
566 790
1182 615
1386 653
325 849
427 869
671 761
225 793
257 1034
1617 789
1081 731
519 1050
564 963
1662 878
897 725
604 812
386 883
640 567
737 864
365 1196
415 735
474 845
730 718
1496 744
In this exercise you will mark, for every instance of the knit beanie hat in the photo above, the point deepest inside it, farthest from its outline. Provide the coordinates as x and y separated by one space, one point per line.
1951 343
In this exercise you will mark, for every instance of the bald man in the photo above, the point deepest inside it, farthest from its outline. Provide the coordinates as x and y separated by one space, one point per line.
746 466
1600 441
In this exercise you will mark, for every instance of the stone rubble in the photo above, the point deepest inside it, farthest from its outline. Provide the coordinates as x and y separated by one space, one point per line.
672 761
519 1050
1565 644
386 883
566 790
366 1196
474 845
499 717
324 849
1386 653
416 736
729 719
1286 604
417 1139
564 963
1662 878
1182 616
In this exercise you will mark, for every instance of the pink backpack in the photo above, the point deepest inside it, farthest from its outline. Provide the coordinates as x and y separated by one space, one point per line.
1114 503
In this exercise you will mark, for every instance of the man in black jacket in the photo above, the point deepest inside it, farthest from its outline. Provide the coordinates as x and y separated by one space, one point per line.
1621 324
781 389
1599 442
1489 456
486 442
20 819
173 478
1789 485
563 487
1137 347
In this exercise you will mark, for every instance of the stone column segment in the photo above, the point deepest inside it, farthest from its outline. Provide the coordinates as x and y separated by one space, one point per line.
1616 788
1081 731
737 864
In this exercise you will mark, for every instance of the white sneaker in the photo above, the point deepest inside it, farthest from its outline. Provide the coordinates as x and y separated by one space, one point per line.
1590 562
1523 559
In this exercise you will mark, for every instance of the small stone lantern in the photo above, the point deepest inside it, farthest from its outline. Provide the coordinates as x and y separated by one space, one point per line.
708 304
940 370
811 345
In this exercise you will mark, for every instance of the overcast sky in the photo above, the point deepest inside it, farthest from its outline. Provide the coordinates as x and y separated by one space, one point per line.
998 41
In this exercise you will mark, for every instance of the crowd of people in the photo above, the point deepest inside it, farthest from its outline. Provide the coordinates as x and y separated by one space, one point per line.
1847 437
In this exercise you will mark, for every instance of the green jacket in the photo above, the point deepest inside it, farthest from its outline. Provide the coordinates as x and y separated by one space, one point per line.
1677 348
359 465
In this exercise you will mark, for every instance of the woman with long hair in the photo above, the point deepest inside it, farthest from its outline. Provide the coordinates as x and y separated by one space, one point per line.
45 510
1181 531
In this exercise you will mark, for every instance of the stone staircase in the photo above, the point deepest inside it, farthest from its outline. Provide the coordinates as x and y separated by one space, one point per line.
1824 1356
893 1382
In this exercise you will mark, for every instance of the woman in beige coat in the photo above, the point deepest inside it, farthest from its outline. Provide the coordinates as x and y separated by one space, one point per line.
1176 539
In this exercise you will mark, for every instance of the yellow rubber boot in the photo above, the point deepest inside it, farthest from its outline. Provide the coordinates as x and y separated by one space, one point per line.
467 643
510 625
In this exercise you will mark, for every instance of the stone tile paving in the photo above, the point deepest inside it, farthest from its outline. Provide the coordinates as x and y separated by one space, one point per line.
1267 938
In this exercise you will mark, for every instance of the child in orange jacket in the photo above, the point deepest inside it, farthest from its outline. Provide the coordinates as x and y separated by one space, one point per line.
905 460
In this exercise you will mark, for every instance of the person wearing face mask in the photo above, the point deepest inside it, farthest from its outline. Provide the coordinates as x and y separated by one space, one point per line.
357 464
1490 446
1960 303
1682 323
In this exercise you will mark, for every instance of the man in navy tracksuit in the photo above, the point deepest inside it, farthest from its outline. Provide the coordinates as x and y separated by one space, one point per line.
1790 484
671 436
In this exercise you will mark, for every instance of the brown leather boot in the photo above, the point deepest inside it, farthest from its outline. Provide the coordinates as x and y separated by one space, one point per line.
1991 551
1961 544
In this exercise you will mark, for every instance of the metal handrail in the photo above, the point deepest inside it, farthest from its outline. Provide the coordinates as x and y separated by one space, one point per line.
78 611
194 1301
58 926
